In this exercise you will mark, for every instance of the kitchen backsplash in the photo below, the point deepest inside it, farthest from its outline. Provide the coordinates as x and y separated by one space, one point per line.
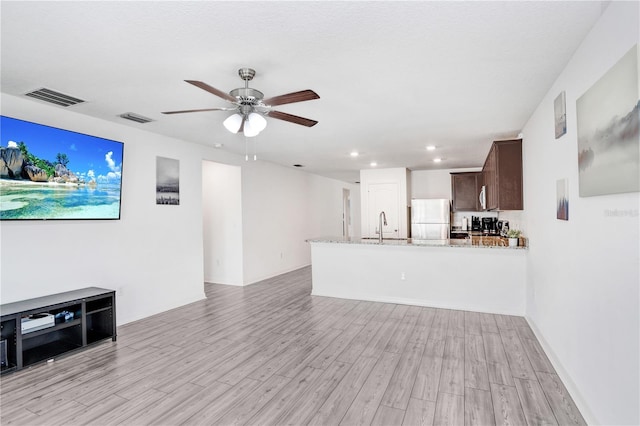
515 220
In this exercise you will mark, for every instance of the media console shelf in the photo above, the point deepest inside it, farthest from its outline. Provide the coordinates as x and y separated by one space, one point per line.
80 318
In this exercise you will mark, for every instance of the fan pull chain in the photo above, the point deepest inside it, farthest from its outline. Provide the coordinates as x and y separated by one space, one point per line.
255 156
246 149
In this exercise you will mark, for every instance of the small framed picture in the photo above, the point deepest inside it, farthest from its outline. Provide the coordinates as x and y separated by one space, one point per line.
167 181
560 114
562 199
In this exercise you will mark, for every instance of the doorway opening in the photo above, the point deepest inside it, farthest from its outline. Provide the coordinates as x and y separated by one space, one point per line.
222 223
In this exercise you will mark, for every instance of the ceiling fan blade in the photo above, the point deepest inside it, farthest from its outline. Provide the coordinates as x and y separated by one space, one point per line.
213 90
289 98
292 118
198 110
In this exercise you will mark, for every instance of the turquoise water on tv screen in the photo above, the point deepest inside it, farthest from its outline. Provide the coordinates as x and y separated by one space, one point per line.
63 201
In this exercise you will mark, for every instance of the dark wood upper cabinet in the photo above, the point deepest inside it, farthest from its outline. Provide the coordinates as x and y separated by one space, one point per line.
502 176
465 188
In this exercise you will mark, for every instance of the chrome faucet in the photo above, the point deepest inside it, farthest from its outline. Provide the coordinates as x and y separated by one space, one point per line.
382 219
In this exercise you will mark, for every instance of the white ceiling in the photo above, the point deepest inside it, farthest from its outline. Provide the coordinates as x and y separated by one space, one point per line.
392 77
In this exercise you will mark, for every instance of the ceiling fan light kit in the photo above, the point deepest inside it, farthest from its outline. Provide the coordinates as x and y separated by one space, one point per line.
250 106
254 123
249 131
233 123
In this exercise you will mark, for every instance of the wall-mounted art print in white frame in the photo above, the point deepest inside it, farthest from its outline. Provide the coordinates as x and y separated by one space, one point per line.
167 181
608 131
562 199
560 114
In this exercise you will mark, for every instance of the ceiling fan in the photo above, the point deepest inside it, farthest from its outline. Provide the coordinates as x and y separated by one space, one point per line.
250 106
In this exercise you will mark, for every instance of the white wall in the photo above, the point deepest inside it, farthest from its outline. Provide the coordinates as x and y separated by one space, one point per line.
435 183
282 208
329 199
153 256
583 275
222 223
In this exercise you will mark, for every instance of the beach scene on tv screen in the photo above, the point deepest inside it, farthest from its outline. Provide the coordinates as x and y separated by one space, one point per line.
51 173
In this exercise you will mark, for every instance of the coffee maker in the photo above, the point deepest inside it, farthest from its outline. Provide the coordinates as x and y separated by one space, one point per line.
475 223
503 227
490 225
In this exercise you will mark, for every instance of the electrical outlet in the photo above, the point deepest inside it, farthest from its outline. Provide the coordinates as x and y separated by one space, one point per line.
120 291
402 276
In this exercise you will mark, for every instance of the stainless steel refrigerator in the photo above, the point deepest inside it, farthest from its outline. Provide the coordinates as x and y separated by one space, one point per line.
430 219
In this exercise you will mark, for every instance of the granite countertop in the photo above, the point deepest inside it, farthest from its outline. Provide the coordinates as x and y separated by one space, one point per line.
492 242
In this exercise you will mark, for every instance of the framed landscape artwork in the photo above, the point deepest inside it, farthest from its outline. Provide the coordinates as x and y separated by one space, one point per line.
608 131
560 114
167 181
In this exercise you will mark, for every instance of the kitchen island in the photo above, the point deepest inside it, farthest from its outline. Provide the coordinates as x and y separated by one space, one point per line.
481 275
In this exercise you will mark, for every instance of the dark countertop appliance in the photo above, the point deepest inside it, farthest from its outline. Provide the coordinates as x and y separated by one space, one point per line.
475 223
490 225
503 227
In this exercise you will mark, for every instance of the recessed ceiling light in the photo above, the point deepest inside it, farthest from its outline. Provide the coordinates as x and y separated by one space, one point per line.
437 160
430 147
373 164
218 145
354 153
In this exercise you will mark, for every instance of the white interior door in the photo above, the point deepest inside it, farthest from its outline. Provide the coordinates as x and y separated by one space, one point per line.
383 197
346 213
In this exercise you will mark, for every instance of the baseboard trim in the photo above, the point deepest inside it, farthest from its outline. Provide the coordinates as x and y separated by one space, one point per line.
565 377
163 308
222 283
416 302
275 274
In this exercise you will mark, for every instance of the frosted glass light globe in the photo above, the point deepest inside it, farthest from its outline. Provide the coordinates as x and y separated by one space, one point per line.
233 123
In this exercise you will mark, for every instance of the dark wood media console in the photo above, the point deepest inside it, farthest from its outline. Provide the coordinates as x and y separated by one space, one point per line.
81 318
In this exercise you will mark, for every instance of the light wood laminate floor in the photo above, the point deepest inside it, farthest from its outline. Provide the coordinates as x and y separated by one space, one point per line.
271 354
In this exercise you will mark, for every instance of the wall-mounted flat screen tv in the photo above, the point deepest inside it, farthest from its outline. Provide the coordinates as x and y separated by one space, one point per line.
49 173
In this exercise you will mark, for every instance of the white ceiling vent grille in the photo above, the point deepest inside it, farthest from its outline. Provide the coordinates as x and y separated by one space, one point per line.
54 97
135 117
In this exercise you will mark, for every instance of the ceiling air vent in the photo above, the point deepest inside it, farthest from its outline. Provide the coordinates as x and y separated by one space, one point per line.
135 117
54 97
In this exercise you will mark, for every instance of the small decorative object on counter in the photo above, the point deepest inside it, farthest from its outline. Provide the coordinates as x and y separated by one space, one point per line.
513 235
